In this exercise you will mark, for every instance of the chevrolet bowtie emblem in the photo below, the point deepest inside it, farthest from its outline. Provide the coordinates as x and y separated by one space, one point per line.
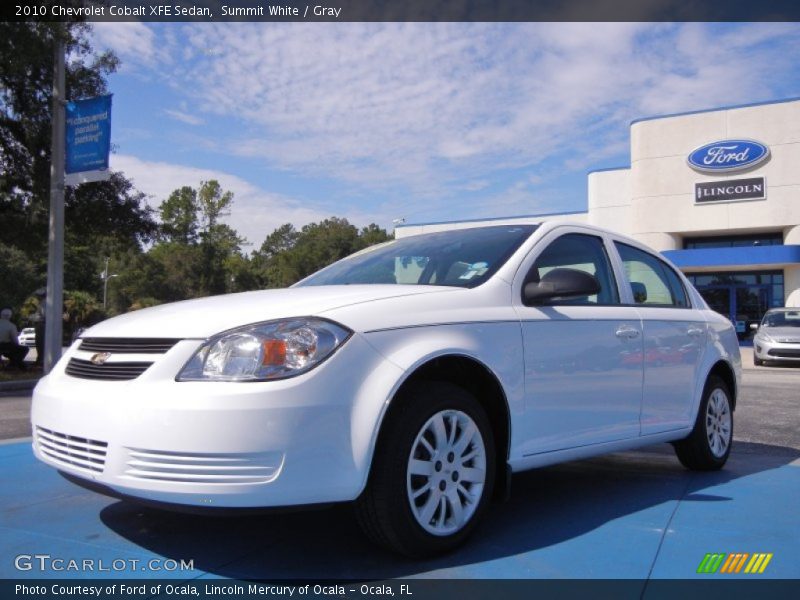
100 358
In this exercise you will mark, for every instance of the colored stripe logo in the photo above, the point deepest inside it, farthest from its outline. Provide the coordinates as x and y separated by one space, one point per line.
736 562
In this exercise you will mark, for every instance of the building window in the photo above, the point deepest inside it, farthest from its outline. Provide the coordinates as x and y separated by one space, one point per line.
771 279
733 241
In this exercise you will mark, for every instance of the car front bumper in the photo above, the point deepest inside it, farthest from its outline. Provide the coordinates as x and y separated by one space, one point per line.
775 350
297 441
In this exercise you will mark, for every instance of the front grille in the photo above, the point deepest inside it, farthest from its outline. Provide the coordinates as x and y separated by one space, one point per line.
785 353
182 467
128 345
78 452
114 371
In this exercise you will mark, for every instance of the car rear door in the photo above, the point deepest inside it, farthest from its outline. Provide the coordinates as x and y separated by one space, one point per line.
674 339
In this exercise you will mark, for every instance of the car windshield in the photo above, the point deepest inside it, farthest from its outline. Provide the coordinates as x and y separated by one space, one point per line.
457 258
782 318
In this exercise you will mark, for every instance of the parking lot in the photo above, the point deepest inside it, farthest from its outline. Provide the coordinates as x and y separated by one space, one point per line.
633 515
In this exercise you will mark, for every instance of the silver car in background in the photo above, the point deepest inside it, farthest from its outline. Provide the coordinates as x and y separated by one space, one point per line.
778 336
27 337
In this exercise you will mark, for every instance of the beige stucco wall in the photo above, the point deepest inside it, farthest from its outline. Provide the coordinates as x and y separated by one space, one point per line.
791 273
662 183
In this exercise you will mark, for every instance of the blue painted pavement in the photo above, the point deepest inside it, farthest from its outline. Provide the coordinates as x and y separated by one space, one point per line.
634 515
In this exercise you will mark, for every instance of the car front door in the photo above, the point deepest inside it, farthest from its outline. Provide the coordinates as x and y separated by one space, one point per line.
583 356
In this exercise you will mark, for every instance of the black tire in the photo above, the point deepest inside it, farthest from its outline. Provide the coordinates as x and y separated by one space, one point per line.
757 361
384 510
695 452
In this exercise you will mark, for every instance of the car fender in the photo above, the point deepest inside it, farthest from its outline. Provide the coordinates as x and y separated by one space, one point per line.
495 345
721 346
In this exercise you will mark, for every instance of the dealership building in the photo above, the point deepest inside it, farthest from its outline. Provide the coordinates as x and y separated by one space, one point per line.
717 192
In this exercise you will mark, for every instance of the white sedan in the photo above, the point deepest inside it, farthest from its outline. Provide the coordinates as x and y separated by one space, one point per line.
27 337
412 378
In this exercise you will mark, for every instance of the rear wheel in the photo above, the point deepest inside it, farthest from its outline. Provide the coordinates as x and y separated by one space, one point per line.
708 446
432 474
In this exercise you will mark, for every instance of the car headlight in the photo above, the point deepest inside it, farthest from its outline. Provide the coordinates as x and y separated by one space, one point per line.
265 351
763 336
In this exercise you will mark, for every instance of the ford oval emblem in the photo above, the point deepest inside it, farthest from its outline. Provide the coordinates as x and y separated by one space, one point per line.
728 155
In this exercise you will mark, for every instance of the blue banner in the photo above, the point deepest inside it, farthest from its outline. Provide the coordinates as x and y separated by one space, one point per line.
88 134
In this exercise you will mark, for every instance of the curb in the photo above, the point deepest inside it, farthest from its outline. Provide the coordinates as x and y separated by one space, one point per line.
22 385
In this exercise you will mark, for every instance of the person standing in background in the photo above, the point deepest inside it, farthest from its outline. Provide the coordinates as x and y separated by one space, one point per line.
9 342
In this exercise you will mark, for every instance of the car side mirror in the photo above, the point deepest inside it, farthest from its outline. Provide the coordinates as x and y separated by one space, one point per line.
754 326
561 284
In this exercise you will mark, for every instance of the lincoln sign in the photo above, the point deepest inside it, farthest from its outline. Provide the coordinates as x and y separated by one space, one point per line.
727 191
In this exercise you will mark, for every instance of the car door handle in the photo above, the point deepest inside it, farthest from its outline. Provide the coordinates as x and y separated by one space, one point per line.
628 333
695 331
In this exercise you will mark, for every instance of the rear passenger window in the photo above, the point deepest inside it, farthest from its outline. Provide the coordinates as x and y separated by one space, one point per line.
652 280
583 253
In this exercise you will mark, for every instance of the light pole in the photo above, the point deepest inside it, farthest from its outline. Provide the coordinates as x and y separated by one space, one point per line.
105 277
54 301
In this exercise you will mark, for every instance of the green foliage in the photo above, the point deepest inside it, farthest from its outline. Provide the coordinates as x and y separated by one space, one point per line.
101 219
19 277
212 202
179 216
26 75
198 253
286 256
80 310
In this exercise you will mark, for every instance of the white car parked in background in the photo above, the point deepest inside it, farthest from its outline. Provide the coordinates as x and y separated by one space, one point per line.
27 337
413 378
778 336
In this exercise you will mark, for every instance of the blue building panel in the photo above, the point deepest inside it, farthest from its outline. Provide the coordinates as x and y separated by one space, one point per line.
752 256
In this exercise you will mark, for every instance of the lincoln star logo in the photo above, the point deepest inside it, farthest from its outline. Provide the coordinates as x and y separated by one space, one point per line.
100 358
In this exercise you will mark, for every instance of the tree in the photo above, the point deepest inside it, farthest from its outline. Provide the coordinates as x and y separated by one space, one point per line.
179 219
196 250
101 219
190 214
80 310
19 276
26 74
372 234
286 256
212 202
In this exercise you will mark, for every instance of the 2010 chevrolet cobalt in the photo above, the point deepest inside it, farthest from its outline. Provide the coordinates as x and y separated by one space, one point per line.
412 378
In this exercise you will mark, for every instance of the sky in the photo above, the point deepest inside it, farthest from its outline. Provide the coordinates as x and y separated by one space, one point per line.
424 122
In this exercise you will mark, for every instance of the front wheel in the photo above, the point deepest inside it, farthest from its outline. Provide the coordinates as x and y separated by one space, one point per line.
708 446
432 474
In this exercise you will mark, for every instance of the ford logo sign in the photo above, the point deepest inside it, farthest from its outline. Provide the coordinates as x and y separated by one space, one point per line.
728 155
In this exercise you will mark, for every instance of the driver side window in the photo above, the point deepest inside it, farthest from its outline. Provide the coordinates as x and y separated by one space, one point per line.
583 253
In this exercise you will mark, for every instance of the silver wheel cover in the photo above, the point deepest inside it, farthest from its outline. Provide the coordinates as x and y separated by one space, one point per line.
718 423
446 472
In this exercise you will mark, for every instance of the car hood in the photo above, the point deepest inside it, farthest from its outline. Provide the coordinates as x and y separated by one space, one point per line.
204 317
792 333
